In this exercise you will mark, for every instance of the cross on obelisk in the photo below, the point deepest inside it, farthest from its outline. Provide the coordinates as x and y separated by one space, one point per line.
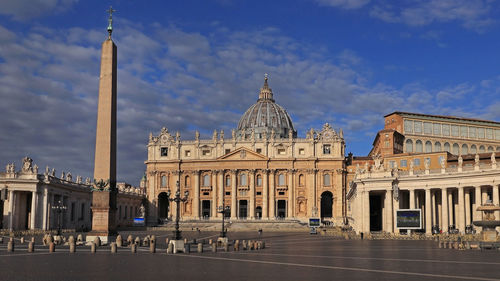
104 186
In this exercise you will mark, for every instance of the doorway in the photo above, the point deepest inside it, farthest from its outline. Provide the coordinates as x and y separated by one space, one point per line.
243 209
163 205
326 204
376 212
281 210
205 209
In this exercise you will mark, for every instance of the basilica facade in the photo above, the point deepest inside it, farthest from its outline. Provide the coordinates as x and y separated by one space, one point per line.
261 170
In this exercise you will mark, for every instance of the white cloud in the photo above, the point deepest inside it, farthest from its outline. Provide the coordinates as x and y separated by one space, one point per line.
22 10
345 4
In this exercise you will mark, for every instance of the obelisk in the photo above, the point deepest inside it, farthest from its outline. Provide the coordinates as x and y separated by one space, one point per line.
104 186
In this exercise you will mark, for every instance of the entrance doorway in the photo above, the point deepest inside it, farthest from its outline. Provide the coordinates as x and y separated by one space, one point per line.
163 205
326 204
281 210
258 212
243 209
205 209
376 212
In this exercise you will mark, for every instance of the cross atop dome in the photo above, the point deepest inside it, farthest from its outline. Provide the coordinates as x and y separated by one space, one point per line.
110 21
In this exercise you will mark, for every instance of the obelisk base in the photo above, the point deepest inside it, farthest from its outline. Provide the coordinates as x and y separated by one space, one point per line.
103 216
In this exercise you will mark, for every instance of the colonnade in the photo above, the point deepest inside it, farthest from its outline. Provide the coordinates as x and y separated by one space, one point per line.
442 207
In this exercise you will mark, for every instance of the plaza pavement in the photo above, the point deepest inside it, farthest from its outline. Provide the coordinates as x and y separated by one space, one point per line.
288 256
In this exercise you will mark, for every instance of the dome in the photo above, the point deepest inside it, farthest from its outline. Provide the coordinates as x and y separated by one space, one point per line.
264 117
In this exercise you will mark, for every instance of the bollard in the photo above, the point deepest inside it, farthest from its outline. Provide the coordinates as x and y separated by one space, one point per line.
440 244
133 248
119 241
200 248
185 241
79 238
138 241
170 248
152 247
166 241
72 247
113 247
92 247
31 247
10 246
214 248
210 242
145 241
22 240
187 248
236 245
71 239
244 245
226 247
130 240
52 247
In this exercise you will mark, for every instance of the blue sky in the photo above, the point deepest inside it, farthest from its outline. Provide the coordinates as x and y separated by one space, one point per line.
198 65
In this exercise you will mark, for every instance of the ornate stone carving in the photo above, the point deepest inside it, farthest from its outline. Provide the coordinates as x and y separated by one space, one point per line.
10 168
476 159
27 165
53 172
79 179
493 158
460 161
243 154
35 169
69 177
197 136
221 135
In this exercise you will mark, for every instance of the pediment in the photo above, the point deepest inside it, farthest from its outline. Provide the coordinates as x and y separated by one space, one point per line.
243 154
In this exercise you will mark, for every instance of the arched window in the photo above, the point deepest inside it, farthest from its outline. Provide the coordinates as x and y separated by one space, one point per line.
281 179
301 180
326 179
187 181
243 179
473 149
428 146
437 146
259 180
490 149
481 149
228 180
206 180
409 146
456 148
418 146
163 181
447 147
465 149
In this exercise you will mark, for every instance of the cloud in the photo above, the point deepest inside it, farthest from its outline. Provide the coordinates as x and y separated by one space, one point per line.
472 14
23 10
344 4
189 81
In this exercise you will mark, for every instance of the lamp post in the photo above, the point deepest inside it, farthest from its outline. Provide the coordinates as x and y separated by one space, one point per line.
177 199
59 208
223 210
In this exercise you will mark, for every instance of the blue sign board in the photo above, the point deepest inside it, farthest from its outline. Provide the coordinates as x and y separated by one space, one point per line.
139 222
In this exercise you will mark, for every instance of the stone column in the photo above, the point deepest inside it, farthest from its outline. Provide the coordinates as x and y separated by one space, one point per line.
461 208
290 194
272 189
444 210
251 175
428 220
233 195
45 208
34 205
477 198
11 209
433 208
214 194
467 208
451 206
365 199
315 188
196 202
264 193
412 198
395 207
388 211
220 190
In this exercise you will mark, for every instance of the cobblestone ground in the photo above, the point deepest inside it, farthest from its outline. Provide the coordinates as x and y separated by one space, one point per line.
287 256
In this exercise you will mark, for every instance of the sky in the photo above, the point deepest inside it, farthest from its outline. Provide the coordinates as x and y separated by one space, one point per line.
198 65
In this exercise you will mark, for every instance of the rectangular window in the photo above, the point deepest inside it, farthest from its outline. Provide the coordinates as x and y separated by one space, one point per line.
259 193
446 130
480 133
489 134
205 152
227 150
228 192
326 149
408 126
392 164
259 181
416 162
281 193
497 134
427 128
164 151
281 151
472 132
387 144
441 158
437 129
418 127
302 151
187 153
464 132
402 163
454 130
228 181
206 193
259 150
428 160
